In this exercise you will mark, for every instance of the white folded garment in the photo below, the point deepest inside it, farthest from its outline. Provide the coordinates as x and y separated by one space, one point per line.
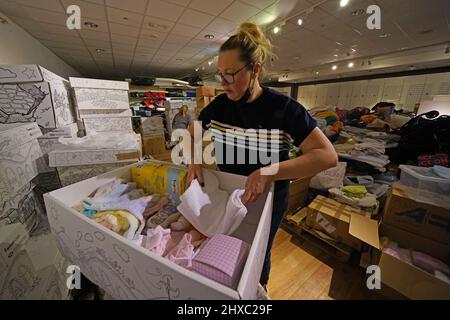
212 210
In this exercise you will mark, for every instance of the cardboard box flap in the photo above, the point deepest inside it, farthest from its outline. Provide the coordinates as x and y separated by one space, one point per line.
365 230
98 84
411 281
20 73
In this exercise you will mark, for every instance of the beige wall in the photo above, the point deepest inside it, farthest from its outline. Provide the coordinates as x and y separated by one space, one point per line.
405 92
18 47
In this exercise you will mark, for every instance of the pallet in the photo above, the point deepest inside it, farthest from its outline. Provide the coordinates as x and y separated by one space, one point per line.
339 251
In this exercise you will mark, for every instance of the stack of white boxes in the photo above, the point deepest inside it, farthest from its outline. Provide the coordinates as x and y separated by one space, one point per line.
32 94
32 268
35 105
75 164
102 105
19 153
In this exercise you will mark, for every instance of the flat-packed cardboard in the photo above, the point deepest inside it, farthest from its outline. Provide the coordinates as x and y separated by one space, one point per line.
424 219
69 131
74 174
34 94
12 239
410 280
38 272
153 145
46 182
17 168
69 158
47 145
98 84
298 194
107 124
128 271
14 135
23 207
101 99
205 91
338 221
104 113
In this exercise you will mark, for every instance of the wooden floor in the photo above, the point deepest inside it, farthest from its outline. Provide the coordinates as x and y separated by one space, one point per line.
302 271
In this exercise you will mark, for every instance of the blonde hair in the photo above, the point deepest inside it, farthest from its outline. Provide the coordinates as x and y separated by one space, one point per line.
252 43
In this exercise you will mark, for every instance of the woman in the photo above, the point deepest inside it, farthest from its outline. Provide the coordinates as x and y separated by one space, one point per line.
182 119
247 105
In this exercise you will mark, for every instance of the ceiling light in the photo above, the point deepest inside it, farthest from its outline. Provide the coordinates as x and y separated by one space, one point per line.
90 25
276 30
209 36
157 25
210 62
99 50
300 21
196 69
384 35
296 58
343 3
351 64
353 50
336 55
317 73
358 12
334 67
338 43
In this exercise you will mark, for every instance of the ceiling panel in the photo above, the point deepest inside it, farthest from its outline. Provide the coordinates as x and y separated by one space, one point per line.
94 35
129 5
41 15
210 7
195 18
125 17
184 30
164 10
52 5
239 12
121 29
88 9
221 25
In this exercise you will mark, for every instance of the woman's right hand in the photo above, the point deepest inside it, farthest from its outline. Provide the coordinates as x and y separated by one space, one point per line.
195 172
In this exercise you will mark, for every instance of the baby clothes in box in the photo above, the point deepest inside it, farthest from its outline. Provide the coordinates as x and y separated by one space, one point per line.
164 217
121 222
211 210
221 258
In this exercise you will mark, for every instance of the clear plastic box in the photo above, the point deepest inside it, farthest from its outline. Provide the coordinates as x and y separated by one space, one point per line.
423 181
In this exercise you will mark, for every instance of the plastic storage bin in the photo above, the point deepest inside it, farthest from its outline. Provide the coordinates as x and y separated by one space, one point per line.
424 185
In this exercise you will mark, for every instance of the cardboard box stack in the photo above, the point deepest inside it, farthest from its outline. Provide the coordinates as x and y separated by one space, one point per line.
31 93
32 268
19 154
102 105
204 95
298 194
152 131
82 160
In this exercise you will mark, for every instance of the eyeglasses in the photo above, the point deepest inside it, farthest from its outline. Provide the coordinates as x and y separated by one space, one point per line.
229 77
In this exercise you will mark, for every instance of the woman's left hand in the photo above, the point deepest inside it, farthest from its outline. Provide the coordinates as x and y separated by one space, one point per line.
256 185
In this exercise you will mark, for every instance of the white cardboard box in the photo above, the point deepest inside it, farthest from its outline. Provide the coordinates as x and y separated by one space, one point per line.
152 126
98 84
47 145
69 131
104 99
23 207
103 113
17 168
14 135
24 73
128 271
69 158
108 124
46 103
12 239
74 174
37 272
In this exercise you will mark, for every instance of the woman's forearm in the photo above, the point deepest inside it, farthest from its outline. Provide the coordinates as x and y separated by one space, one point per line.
306 165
